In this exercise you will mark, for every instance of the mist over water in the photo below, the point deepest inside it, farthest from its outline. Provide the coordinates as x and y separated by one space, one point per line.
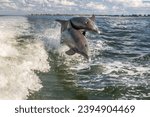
33 64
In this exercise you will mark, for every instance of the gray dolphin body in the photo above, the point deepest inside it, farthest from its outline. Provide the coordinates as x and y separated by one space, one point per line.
74 39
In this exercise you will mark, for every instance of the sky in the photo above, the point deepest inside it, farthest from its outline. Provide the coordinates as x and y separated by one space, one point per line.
103 7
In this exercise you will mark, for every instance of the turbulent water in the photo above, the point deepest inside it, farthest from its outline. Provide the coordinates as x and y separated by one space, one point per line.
33 64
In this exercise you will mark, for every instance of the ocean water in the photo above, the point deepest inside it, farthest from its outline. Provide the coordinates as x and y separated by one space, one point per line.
33 64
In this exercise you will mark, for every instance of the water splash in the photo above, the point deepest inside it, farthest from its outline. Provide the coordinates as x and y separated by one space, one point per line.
19 59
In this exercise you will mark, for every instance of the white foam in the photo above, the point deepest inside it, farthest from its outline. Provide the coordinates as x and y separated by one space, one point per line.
125 68
18 62
81 66
50 37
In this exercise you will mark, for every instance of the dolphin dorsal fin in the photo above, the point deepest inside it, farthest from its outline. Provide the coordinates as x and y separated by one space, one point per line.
64 24
93 18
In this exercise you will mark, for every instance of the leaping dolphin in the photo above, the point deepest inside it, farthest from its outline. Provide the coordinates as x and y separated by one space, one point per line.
84 23
74 39
81 23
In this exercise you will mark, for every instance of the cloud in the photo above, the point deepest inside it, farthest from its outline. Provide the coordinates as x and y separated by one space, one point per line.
98 6
128 6
4 1
75 6
129 3
63 2
67 2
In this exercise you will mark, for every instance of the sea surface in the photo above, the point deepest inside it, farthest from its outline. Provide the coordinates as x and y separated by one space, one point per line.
33 63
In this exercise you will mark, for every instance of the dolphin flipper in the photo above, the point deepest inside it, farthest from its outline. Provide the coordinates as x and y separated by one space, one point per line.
70 52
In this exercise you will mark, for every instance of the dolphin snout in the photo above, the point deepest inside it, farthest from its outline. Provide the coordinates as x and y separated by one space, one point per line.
97 31
85 55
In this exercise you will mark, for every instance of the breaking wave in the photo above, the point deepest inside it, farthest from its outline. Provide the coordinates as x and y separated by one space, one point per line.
19 58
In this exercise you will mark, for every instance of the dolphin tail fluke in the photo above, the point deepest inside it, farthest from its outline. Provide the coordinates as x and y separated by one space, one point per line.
93 17
61 21
64 24
70 52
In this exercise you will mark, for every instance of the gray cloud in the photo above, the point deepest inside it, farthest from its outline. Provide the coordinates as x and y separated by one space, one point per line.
74 6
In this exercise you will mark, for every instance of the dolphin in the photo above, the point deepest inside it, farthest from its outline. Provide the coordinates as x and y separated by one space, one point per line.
74 39
81 23
84 24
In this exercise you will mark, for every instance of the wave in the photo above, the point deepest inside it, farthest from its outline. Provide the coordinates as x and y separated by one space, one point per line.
19 59
28 45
